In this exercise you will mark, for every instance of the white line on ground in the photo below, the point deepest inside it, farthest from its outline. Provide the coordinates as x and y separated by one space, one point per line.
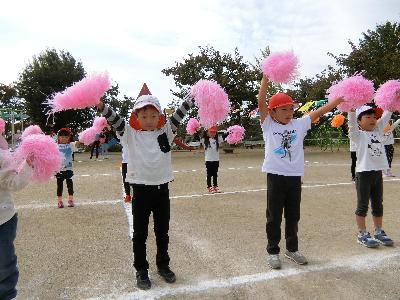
350 264
113 202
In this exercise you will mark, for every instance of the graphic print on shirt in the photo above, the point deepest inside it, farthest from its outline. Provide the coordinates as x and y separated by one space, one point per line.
288 137
66 153
375 146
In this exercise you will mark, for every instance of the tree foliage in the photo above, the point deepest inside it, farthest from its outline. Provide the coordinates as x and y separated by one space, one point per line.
9 99
46 74
239 79
377 55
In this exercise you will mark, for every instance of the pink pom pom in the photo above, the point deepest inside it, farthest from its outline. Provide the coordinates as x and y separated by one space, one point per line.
88 136
84 93
212 102
33 129
388 95
46 156
280 67
236 134
2 126
355 90
100 122
192 126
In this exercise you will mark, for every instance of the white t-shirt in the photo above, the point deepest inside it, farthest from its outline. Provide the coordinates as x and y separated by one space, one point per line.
353 146
284 153
212 153
371 154
388 139
147 163
124 154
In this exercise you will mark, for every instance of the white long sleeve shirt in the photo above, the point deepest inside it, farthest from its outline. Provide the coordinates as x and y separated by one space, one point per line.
10 181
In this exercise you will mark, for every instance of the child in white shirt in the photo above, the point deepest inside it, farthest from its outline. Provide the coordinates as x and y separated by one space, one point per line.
367 132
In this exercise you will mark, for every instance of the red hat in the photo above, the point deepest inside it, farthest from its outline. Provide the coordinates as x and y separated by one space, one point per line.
279 99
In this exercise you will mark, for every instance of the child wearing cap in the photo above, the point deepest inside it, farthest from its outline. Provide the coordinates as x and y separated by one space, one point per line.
367 132
66 173
148 137
284 165
210 142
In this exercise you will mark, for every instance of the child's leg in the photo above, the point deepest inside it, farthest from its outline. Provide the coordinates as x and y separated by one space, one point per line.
389 149
141 209
124 170
209 172
161 216
60 181
363 188
215 173
275 201
353 155
8 260
70 186
97 149
377 199
292 211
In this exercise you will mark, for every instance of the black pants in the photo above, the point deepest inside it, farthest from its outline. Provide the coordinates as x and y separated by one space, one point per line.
283 195
150 199
212 172
353 155
127 186
67 175
96 146
369 185
389 149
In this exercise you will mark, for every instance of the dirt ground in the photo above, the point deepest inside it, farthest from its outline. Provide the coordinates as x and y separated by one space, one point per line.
217 242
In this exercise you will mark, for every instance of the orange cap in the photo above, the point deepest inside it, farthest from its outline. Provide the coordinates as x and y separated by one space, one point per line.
279 99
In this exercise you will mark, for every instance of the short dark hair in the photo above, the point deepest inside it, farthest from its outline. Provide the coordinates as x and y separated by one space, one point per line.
367 112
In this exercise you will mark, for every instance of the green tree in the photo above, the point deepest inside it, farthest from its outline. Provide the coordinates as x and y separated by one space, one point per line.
9 99
239 79
377 55
48 73
121 107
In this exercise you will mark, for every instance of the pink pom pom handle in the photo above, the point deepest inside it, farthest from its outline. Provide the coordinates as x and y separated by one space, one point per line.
388 95
356 91
46 156
280 67
2 126
212 102
100 122
236 134
82 94
33 129
192 126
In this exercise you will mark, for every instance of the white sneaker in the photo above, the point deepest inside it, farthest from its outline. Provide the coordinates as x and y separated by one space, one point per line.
274 261
297 257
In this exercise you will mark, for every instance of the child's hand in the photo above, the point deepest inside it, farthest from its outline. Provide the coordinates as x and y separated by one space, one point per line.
100 106
29 160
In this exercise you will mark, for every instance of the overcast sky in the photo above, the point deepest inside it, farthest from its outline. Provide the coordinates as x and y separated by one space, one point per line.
134 40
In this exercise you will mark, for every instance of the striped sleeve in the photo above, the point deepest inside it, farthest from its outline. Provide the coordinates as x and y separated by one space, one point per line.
114 120
180 113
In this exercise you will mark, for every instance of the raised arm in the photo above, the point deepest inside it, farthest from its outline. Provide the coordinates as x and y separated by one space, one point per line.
324 109
262 99
180 113
393 127
112 118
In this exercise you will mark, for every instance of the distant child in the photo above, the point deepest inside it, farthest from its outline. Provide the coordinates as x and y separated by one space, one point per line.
148 137
10 180
389 146
367 132
64 146
211 141
284 165
124 169
353 155
95 146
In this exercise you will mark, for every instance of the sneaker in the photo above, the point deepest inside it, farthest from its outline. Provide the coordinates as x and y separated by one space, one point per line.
274 261
71 203
127 198
143 280
167 274
381 237
211 190
60 204
216 189
364 238
297 257
389 173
